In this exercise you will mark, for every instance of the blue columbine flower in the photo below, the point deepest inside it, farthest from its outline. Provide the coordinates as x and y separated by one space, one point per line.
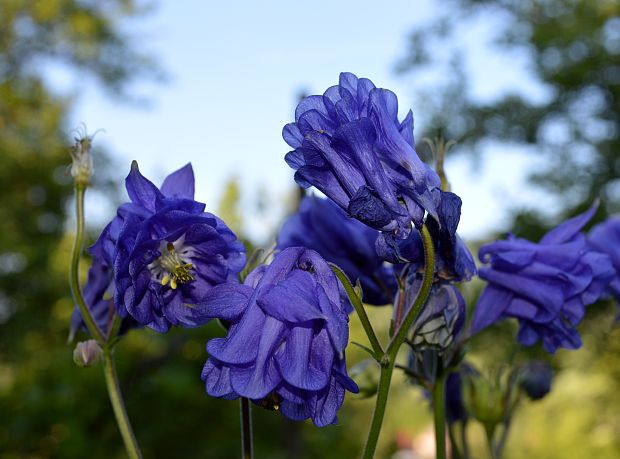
349 144
285 348
322 226
546 286
605 238
166 252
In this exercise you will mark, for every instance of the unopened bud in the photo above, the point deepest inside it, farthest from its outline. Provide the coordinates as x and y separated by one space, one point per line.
82 161
535 379
87 353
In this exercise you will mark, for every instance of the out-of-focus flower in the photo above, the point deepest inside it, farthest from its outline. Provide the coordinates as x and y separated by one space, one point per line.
285 348
165 251
535 379
605 238
545 286
322 226
490 399
349 144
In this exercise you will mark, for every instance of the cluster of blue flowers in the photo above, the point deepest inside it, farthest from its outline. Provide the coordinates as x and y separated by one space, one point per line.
163 261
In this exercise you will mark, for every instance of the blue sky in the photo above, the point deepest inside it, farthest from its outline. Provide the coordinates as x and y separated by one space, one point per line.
236 70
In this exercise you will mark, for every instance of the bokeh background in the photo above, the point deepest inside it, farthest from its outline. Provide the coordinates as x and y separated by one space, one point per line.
530 89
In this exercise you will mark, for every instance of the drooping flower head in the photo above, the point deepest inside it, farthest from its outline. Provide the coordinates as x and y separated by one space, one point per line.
322 226
441 320
349 144
605 238
545 286
166 251
285 348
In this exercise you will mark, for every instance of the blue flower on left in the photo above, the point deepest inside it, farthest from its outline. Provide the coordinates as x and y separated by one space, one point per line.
166 252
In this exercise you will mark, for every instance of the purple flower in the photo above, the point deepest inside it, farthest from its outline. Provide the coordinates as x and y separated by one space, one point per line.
166 252
605 238
546 286
322 226
349 144
285 348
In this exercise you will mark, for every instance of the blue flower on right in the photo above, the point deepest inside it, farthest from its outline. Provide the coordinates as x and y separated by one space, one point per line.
545 285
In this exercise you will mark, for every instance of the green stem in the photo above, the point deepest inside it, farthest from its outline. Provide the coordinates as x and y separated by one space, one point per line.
377 418
246 429
420 301
464 443
76 253
361 312
388 358
490 433
455 452
114 391
109 369
439 411
499 449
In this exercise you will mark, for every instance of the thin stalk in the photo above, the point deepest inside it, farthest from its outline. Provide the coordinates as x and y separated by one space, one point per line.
246 429
439 411
427 281
464 443
455 448
74 279
361 312
109 368
116 398
489 429
383 391
499 449
388 359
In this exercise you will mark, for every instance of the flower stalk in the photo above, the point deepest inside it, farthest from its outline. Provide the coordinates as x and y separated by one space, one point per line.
388 358
246 428
106 341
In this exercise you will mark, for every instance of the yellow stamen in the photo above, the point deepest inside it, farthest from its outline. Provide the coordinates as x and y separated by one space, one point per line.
165 280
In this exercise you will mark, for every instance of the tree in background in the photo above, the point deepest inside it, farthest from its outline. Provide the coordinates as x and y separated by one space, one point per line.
572 50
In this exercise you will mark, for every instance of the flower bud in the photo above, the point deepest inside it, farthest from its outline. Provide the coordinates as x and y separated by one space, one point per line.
87 353
82 162
490 400
535 379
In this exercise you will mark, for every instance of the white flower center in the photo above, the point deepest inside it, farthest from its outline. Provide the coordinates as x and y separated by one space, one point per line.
173 266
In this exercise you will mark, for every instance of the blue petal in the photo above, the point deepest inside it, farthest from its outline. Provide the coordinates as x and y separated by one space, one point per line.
180 183
569 229
141 190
